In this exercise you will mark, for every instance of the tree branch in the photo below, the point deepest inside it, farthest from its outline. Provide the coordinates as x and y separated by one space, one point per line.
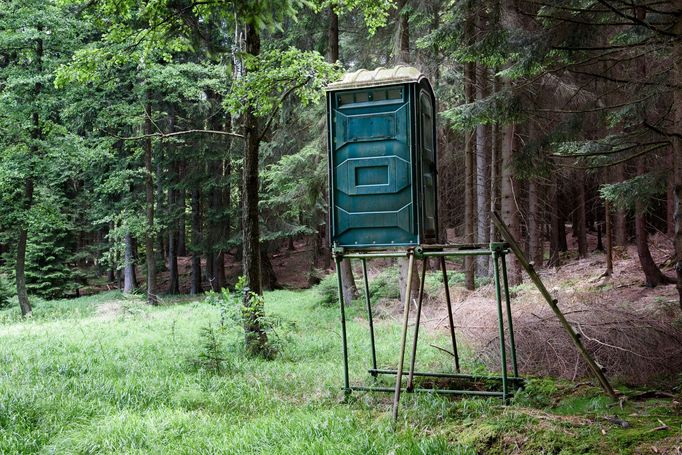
660 131
596 109
606 152
625 81
614 163
179 133
272 115
636 20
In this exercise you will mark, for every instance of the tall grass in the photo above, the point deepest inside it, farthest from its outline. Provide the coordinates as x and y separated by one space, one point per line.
108 374
111 375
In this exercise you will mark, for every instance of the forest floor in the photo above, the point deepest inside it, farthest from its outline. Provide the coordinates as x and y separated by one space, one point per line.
109 374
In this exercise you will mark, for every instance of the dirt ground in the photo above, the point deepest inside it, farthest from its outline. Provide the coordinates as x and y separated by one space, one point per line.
573 275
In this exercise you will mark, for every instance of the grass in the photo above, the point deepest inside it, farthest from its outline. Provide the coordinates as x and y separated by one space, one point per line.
108 374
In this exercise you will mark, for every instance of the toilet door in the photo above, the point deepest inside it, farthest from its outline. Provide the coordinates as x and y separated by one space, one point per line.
372 168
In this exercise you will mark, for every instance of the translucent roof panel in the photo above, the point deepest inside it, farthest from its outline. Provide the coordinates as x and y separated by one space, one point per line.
381 76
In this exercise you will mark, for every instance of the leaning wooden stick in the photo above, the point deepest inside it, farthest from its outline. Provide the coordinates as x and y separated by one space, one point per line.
599 374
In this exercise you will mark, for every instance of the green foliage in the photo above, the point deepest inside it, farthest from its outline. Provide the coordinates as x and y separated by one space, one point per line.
237 310
434 281
5 293
294 192
502 107
49 251
228 305
274 74
213 355
637 190
375 13
47 274
385 285
328 290
537 393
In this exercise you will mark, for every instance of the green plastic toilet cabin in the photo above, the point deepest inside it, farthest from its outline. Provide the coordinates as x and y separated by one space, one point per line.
382 159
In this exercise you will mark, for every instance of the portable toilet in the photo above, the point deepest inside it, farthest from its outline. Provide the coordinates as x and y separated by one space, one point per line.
382 159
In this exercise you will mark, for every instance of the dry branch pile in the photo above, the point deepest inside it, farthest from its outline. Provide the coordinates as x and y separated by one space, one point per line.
633 345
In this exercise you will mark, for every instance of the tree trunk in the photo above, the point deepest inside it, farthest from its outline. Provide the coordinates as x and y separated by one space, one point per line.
554 243
350 291
268 272
580 226
113 266
218 205
209 262
315 250
182 228
402 278
402 54
652 273
152 298
226 200
670 196
174 281
620 220
129 282
609 239
255 336
20 267
677 167
469 179
510 214
403 41
535 252
333 34
219 280
482 132
333 57
195 286
494 169
36 135
162 250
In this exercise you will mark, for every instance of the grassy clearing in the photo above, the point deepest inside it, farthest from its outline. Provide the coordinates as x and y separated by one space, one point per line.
107 374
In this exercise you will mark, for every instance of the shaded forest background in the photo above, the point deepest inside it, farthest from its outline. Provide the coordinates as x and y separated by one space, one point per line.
135 136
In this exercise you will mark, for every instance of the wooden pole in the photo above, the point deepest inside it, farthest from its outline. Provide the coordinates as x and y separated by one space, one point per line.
599 374
403 339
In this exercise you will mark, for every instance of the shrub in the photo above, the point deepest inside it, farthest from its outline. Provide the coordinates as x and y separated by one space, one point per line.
385 285
5 293
47 274
213 355
328 290
234 310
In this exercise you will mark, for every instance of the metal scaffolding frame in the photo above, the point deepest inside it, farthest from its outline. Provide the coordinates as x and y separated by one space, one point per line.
498 251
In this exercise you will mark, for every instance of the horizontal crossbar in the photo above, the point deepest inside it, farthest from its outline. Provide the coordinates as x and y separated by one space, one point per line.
441 391
446 375
376 255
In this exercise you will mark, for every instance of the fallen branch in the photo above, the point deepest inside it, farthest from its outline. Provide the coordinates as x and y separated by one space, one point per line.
442 349
651 394
660 428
